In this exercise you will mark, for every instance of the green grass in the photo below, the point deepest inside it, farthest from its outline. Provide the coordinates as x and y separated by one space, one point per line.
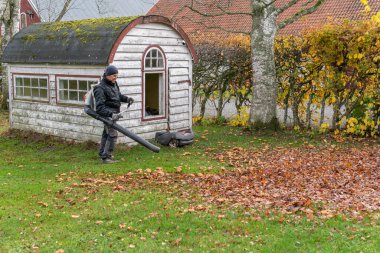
41 211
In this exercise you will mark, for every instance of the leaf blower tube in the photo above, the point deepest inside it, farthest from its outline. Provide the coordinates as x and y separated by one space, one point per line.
126 132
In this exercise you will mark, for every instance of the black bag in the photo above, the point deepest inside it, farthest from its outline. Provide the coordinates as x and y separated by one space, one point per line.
175 139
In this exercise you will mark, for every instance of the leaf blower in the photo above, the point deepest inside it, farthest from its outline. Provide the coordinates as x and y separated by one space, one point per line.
88 108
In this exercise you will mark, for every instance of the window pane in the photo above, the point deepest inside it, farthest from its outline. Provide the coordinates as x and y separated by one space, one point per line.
27 82
35 92
63 84
43 83
43 93
160 63
154 53
82 85
73 95
18 81
35 82
81 95
27 92
19 91
147 63
63 95
73 85
154 63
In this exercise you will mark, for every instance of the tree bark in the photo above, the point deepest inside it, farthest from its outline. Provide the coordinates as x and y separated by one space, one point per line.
323 106
308 109
9 18
264 90
203 107
66 7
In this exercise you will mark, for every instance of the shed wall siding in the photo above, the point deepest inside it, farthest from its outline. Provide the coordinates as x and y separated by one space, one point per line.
128 58
68 122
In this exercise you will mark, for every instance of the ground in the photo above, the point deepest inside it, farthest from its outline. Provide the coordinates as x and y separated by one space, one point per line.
231 191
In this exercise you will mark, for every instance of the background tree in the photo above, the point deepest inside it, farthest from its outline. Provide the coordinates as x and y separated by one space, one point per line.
264 14
8 18
54 12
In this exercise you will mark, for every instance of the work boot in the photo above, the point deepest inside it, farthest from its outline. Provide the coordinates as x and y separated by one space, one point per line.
109 161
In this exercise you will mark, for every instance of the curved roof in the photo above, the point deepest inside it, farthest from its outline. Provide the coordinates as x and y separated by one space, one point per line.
87 42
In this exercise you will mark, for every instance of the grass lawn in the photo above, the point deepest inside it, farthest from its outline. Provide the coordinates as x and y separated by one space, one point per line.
57 197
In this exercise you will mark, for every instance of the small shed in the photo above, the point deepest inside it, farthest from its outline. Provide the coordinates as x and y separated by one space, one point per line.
50 66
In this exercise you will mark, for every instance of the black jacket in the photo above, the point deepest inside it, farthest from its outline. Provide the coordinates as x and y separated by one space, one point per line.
108 98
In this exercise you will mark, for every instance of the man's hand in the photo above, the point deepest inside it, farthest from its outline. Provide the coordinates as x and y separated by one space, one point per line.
116 116
130 101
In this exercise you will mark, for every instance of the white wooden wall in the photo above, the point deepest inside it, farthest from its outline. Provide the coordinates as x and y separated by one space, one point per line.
179 64
70 122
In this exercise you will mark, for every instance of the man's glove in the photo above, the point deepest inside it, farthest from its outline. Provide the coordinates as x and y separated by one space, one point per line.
130 101
116 116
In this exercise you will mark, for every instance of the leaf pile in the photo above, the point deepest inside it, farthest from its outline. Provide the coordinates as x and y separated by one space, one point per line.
340 179
332 179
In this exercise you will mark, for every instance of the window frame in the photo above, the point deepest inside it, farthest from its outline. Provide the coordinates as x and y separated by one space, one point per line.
31 76
23 25
77 78
156 70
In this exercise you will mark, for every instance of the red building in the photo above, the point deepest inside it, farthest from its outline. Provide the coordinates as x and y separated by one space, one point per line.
28 14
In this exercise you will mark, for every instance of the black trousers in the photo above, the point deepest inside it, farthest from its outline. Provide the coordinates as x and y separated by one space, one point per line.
108 142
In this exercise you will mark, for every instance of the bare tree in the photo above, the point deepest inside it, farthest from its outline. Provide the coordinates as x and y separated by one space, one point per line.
263 14
102 6
53 11
66 6
8 21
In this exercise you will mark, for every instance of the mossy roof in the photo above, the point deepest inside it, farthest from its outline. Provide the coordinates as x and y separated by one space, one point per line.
87 42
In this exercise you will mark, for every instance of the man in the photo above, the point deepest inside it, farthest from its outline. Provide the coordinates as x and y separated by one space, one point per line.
108 101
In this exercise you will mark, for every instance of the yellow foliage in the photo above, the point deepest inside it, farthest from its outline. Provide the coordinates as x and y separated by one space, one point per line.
242 119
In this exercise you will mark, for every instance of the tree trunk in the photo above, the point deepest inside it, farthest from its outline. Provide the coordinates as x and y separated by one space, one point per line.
203 107
308 110
323 106
9 18
335 118
286 109
264 90
295 109
219 109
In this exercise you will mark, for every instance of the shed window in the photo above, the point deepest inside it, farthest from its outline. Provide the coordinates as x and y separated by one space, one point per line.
72 90
31 87
154 96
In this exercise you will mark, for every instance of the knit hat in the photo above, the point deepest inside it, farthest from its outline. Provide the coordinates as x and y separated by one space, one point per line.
110 70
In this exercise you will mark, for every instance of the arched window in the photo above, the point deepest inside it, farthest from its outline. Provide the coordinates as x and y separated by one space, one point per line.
23 21
154 85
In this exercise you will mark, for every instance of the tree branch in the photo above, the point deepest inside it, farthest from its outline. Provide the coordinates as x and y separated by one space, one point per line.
222 12
64 10
218 27
300 13
287 6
